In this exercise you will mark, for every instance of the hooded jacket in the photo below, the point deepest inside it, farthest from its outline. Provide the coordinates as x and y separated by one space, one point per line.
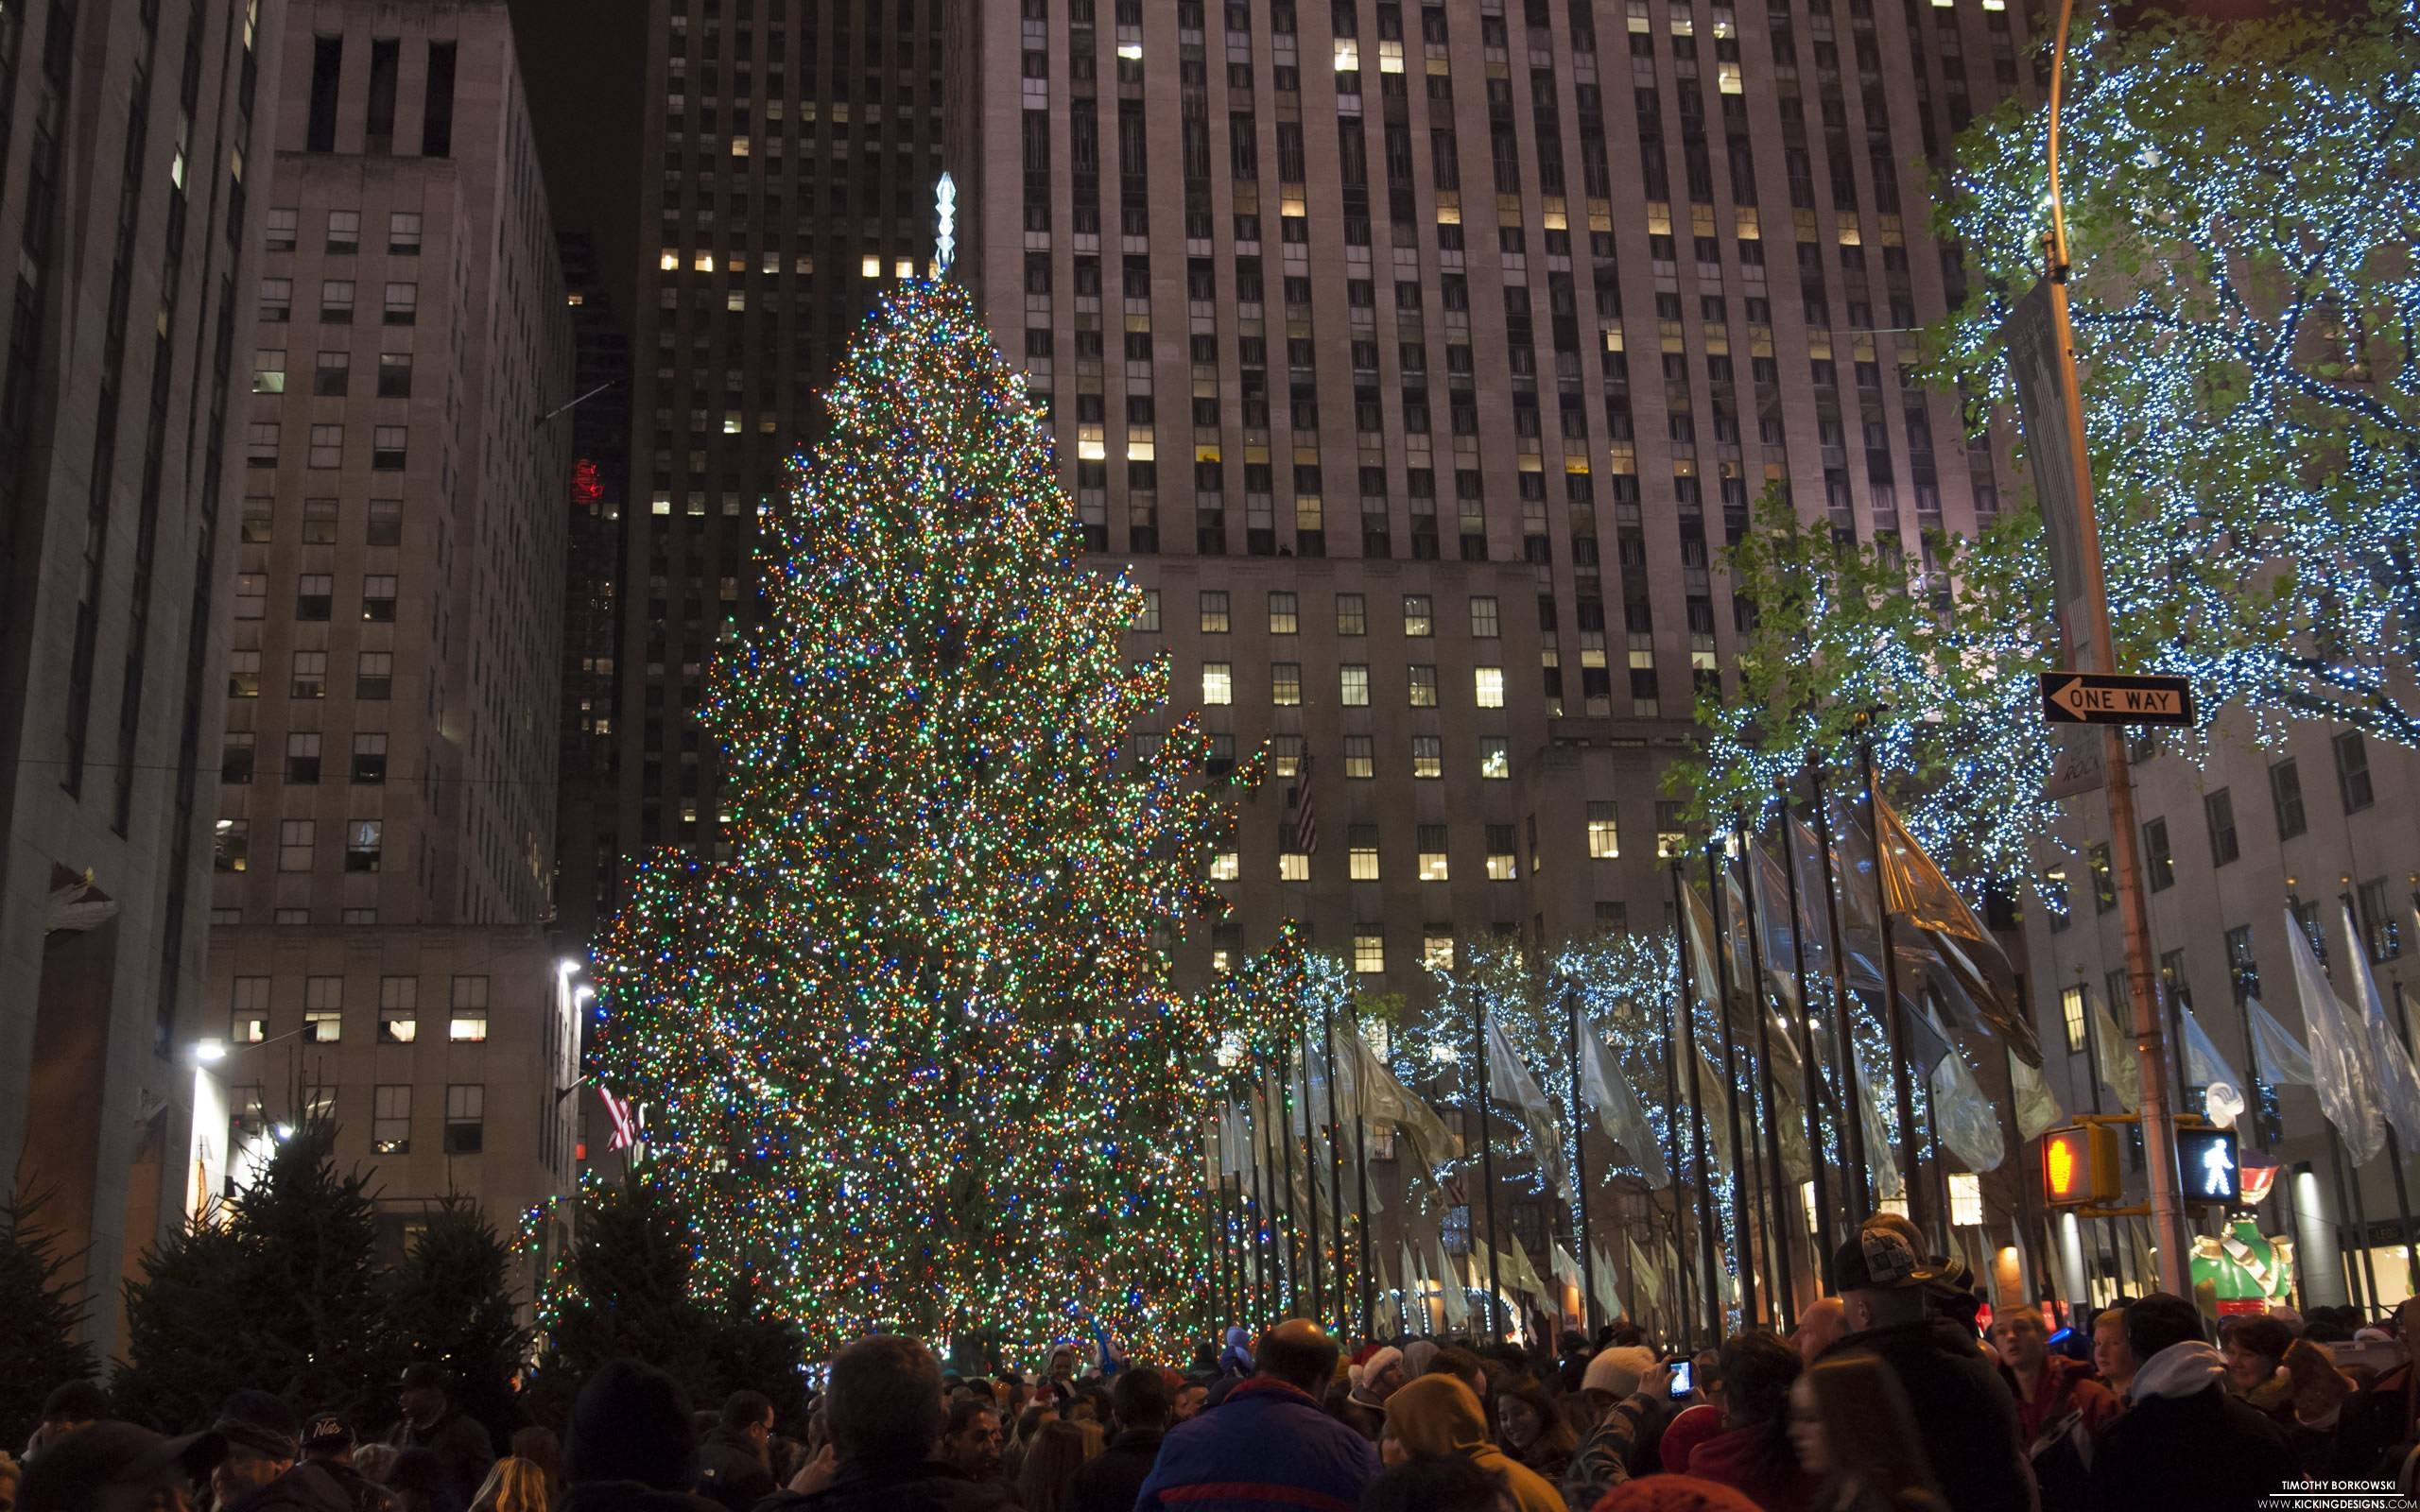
1110 1481
730 1471
1964 1412
1746 1460
1236 1360
1266 1446
2184 1443
1438 1415
459 1442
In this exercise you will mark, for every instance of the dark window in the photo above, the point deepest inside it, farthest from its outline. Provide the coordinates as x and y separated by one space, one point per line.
2158 861
2104 885
394 375
2243 972
2352 771
2286 794
437 117
2218 808
327 64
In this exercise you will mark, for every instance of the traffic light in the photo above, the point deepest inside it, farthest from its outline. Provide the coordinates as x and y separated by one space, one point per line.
2080 1166
2209 1166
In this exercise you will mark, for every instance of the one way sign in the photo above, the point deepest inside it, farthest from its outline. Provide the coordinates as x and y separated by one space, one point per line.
2111 698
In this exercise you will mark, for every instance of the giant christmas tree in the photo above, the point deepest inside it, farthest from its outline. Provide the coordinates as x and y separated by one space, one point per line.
911 1054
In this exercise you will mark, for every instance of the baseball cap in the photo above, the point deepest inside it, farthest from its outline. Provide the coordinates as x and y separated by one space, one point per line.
1879 1258
325 1433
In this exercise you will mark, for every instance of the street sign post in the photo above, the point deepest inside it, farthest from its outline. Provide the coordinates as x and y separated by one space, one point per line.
2116 698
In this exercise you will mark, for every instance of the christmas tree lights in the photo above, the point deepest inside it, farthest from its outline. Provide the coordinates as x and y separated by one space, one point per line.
909 1055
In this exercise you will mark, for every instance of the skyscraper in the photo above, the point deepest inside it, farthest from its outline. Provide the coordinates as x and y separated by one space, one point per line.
132 141
1438 526
792 146
379 950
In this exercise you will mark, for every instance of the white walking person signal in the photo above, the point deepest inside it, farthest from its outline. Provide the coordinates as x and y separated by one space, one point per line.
2218 1170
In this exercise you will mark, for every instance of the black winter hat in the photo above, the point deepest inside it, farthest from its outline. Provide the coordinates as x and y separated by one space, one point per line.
632 1422
111 1466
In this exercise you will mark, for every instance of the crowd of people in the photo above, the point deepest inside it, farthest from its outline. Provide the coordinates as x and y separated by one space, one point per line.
1888 1396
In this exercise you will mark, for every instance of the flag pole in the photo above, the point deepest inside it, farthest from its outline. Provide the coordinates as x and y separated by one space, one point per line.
1487 1172
1687 1049
1336 1156
1580 1169
1263 1273
1902 1046
1743 1253
1777 1178
1362 1179
1282 1175
1860 1175
1313 1245
1827 1235
1679 1286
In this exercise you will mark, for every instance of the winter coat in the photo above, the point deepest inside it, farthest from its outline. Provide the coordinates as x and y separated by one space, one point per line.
896 1486
1606 1455
1745 1459
2184 1443
2376 1424
730 1471
2064 1385
1267 1447
1683 1435
1438 1415
628 1496
1110 1481
1236 1360
459 1443
306 1487
1964 1412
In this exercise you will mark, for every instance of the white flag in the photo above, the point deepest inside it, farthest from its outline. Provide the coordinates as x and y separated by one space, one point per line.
2340 1062
2206 1068
1962 1116
2276 1055
1608 1295
1617 1109
1451 1293
1878 1138
2037 1109
2121 1070
1508 1081
2398 1085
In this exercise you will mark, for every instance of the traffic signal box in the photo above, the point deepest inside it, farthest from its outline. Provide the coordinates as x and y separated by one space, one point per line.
2080 1166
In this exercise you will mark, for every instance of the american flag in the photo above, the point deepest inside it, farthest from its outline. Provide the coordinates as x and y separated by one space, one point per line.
625 1126
1306 822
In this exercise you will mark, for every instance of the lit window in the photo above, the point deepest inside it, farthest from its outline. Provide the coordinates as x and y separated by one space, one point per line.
1433 866
1361 852
1286 684
1437 948
467 1018
1352 618
1213 613
872 267
1225 867
391 1121
363 841
1368 953
1604 837
231 844
1488 684
1501 865
1148 620
1285 755
735 301
903 267
704 263
269 370
731 423
739 147
1354 685
322 1010
1359 762
1284 618
1217 683
1427 756
2071 1016
1418 619
1421 682
251 1006
1293 866
1495 758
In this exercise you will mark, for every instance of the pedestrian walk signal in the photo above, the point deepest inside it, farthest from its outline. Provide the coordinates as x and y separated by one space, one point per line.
2209 1166
2080 1166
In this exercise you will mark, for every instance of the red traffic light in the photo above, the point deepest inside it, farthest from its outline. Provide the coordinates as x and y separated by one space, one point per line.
2079 1166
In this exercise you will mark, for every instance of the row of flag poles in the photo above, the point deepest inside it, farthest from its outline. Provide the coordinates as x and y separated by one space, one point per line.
1769 1116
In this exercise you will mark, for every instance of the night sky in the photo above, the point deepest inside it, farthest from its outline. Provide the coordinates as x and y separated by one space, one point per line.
583 63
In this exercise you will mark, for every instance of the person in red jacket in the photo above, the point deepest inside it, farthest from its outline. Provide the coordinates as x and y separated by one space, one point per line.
1753 1454
2049 1387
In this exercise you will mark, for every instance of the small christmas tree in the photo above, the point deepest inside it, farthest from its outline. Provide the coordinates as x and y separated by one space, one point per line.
911 1054
42 1310
451 1303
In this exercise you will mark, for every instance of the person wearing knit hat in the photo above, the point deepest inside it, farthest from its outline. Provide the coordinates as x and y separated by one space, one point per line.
1626 1389
1438 1415
1379 1377
1614 1372
1416 1357
1672 1493
260 1473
